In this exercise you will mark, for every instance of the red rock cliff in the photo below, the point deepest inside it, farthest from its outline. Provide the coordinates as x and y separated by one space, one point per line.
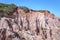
34 25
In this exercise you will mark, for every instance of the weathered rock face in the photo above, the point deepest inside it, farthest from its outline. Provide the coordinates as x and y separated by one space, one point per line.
30 26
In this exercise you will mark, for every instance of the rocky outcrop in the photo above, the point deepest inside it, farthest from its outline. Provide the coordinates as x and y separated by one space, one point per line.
33 25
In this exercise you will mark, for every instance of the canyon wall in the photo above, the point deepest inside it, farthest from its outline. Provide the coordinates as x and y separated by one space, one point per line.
34 25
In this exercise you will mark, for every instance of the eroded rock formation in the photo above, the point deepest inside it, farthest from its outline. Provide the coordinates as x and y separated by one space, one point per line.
33 25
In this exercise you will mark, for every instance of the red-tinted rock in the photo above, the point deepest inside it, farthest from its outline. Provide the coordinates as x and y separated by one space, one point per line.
34 25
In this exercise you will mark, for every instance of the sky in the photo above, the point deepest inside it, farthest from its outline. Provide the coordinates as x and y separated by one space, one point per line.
52 5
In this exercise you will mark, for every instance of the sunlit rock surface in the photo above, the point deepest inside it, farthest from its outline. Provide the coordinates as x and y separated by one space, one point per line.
33 25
